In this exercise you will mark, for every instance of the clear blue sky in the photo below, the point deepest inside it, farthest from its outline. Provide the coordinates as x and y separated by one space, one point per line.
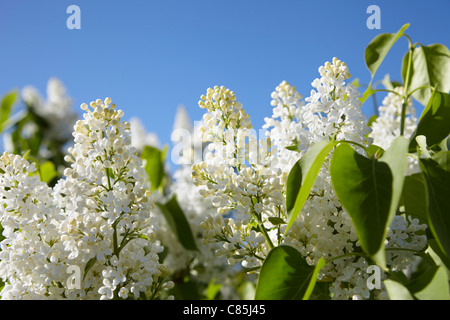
151 56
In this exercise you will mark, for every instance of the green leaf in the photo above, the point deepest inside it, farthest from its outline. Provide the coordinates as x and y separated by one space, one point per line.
213 289
396 158
369 91
2 237
437 254
431 285
47 171
376 51
430 67
414 197
434 122
178 223
397 291
284 275
374 150
371 120
88 266
187 290
379 47
445 144
370 190
276 221
443 159
154 165
293 148
364 187
302 176
6 106
312 282
438 191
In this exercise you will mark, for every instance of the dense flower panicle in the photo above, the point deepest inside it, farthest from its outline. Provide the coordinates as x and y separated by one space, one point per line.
114 207
386 127
255 191
102 216
287 130
237 176
226 125
333 108
30 257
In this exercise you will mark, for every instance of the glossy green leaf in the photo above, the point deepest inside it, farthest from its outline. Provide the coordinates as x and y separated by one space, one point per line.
434 122
443 159
374 150
439 257
376 51
276 221
379 47
47 171
438 190
364 187
284 275
396 158
445 144
370 190
414 197
313 280
397 291
2 237
178 223
6 106
154 165
293 148
431 285
302 176
430 67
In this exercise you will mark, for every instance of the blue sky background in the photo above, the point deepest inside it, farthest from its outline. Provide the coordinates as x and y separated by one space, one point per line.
152 56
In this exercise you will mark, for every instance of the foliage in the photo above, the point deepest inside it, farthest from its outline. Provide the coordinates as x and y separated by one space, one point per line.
300 213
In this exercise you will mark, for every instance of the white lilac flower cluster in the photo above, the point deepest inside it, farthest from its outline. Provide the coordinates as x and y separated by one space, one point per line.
386 127
97 219
238 176
32 256
252 193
